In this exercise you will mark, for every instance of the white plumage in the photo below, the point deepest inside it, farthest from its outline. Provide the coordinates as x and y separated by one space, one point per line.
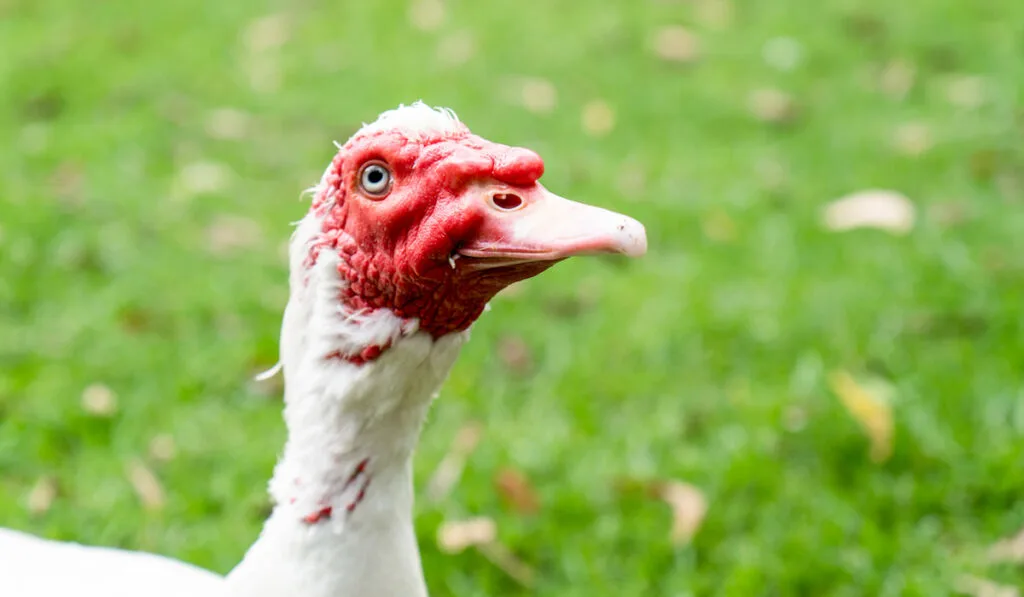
34 567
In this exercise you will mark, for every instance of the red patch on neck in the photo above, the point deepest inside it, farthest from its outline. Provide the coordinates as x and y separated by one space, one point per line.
321 514
364 356
395 252
325 512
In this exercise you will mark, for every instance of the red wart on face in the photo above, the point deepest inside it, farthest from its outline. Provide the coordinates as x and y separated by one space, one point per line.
430 221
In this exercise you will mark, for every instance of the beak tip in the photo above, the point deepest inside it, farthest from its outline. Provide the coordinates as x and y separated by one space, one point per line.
632 238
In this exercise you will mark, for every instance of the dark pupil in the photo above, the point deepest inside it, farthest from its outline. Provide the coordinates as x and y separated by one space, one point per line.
375 175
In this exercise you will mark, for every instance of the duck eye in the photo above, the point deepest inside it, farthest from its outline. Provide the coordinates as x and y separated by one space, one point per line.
375 179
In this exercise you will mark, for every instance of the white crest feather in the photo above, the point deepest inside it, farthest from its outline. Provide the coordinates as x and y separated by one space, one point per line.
416 121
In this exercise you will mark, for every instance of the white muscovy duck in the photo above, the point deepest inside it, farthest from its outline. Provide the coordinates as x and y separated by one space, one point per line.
414 227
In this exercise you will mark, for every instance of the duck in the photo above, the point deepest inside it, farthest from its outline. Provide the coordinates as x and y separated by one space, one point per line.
416 224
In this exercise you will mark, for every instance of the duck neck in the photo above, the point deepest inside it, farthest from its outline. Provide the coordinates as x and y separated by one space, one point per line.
342 522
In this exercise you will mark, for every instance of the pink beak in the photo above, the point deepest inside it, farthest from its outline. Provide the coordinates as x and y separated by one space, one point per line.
523 226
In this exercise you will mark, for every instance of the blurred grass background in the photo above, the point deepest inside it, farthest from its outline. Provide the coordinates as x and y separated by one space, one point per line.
152 161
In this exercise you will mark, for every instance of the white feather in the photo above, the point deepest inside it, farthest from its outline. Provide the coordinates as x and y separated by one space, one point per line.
416 121
34 567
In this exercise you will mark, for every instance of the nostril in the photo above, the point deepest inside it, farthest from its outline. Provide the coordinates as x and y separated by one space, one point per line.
506 201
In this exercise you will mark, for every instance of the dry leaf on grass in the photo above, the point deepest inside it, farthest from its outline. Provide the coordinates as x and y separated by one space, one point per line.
456 49
632 180
966 91
982 587
450 469
688 504
482 533
265 75
538 95
718 226
913 138
147 487
515 355
714 14
772 105
794 419
227 123
426 15
1010 185
454 536
597 118
771 173
872 208
676 44
163 447
230 233
949 213
1010 549
41 496
897 79
199 178
507 562
516 490
263 39
689 507
68 184
987 164
99 400
589 291
267 33
868 405
782 53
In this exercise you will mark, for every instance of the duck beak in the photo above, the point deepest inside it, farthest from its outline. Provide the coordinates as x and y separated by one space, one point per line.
531 225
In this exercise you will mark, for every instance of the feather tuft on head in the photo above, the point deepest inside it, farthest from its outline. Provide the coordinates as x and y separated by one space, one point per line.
417 122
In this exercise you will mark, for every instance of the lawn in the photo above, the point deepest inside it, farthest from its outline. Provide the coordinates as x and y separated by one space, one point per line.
153 160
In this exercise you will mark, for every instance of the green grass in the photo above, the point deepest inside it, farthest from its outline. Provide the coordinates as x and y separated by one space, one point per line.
687 364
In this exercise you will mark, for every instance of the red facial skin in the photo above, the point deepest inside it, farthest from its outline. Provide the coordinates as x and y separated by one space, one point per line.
395 250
